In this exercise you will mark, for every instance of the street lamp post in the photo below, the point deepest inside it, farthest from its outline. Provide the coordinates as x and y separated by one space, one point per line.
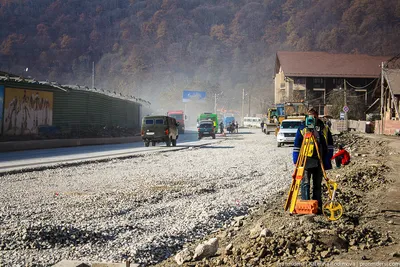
215 101
93 74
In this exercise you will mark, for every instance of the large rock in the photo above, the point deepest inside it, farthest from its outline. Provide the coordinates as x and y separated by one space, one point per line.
254 233
228 249
266 233
183 256
206 250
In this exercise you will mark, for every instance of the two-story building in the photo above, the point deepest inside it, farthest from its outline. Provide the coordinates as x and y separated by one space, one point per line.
313 76
390 98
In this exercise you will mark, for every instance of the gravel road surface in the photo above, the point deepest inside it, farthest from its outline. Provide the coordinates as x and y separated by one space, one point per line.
142 208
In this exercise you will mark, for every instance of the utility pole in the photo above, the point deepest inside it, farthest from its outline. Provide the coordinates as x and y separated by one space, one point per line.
345 102
93 74
249 106
215 103
242 107
382 101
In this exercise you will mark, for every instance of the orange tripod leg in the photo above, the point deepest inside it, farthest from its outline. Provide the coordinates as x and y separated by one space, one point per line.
297 177
293 190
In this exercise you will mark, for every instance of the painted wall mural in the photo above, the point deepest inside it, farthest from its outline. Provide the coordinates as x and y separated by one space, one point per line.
26 110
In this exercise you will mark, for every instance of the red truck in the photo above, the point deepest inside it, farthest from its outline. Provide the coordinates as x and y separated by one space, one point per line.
179 117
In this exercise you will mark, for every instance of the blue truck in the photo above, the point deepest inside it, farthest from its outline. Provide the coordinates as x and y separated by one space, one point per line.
228 120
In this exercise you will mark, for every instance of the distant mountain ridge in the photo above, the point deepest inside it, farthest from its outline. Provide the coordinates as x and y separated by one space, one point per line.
160 47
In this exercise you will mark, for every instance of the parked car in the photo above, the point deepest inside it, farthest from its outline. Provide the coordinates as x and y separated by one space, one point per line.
287 131
157 129
206 129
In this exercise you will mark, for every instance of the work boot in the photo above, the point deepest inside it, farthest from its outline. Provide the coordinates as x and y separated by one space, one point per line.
319 211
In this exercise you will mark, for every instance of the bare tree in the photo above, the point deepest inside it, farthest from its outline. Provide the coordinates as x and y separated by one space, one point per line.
355 102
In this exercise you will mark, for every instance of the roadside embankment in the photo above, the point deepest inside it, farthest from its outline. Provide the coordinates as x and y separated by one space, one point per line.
56 143
368 232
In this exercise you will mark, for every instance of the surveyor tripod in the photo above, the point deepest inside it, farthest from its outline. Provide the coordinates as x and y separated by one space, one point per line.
332 210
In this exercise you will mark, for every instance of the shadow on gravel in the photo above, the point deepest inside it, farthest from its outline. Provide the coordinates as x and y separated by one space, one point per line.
164 247
217 147
287 145
167 245
50 236
240 133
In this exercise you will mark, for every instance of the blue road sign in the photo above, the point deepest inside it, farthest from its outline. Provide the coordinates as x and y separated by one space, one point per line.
346 109
194 96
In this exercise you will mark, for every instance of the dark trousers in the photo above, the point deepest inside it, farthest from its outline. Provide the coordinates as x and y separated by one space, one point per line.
314 175
338 161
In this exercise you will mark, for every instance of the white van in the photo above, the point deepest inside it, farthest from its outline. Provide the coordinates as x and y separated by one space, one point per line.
252 122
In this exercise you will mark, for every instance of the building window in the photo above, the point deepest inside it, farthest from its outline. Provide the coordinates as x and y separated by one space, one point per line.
300 80
319 82
337 82
299 83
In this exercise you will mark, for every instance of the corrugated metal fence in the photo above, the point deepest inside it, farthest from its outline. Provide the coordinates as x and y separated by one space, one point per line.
29 107
79 110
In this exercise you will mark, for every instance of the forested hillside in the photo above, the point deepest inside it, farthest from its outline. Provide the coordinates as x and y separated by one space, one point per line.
157 48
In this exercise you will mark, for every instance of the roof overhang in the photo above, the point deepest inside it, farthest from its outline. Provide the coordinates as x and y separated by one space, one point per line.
333 75
323 64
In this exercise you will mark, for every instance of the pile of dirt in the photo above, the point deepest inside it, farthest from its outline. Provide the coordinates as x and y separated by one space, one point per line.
269 235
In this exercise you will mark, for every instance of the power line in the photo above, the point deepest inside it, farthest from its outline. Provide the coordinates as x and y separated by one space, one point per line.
338 91
321 97
360 87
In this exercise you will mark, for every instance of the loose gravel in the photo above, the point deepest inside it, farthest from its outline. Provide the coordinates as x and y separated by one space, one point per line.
142 209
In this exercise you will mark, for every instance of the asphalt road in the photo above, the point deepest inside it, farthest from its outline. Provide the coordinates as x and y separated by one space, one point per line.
13 161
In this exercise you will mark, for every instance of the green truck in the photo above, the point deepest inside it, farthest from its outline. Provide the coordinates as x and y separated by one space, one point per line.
208 116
